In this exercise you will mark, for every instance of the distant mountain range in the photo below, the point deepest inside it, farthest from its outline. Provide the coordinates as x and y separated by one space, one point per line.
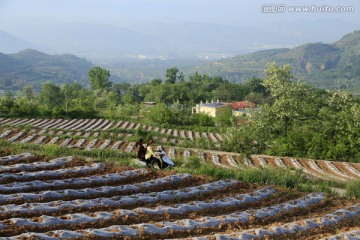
31 67
104 43
335 65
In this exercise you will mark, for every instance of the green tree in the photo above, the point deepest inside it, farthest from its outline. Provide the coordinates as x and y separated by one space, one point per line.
172 75
27 93
160 113
290 100
257 98
202 119
7 103
132 96
338 124
83 105
156 82
25 108
112 100
99 78
121 88
70 93
25 105
241 139
255 85
228 92
179 113
127 110
224 117
50 95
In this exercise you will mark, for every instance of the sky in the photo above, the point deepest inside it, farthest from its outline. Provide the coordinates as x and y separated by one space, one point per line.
121 12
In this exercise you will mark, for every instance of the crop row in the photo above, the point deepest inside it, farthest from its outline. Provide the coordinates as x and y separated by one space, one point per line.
320 169
144 204
126 206
95 125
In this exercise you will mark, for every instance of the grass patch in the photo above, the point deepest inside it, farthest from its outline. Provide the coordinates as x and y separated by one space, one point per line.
287 178
192 163
353 189
268 175
316 186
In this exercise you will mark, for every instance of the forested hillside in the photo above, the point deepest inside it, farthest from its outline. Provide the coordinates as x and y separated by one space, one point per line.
31 67
330 66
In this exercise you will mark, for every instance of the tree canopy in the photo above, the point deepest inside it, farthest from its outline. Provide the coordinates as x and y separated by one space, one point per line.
99 78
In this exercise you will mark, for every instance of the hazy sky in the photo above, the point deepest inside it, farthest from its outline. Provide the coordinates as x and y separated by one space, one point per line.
120 12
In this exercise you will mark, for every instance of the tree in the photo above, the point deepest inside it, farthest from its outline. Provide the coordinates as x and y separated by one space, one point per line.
290 100
160 113
70 92
156 82
224 117
338 124
27 93
121 88
99 78
255 97
241 139
112 100
50 95
132 96
277 79
25 108
172 75
202 119
6 103
255 85
229 92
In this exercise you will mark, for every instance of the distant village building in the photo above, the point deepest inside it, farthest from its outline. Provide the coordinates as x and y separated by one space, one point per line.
214 108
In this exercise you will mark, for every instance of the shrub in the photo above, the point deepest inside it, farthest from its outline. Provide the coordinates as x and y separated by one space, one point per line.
353 189
192 163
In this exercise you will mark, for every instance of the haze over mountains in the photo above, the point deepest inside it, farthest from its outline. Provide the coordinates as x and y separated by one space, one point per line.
107 43
335 65
138 40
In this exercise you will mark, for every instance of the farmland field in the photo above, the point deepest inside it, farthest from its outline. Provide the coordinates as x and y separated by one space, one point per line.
88 135
70 198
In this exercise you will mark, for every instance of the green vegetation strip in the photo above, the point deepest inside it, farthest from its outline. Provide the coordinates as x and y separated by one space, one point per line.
284 177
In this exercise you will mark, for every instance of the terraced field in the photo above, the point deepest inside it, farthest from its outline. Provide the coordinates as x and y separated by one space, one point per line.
87 134
68 198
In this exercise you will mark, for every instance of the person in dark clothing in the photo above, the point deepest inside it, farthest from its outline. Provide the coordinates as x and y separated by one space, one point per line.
140 150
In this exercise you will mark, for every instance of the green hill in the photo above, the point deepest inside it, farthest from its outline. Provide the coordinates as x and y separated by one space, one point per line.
31 67
334 65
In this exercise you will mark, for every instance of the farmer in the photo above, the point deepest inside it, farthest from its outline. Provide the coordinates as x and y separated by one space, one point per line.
140 150
149 156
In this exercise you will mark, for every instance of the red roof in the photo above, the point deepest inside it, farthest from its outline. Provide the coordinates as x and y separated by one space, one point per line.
243 104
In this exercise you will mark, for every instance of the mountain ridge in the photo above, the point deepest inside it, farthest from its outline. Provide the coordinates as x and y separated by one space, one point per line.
33 67
108 42
335 65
